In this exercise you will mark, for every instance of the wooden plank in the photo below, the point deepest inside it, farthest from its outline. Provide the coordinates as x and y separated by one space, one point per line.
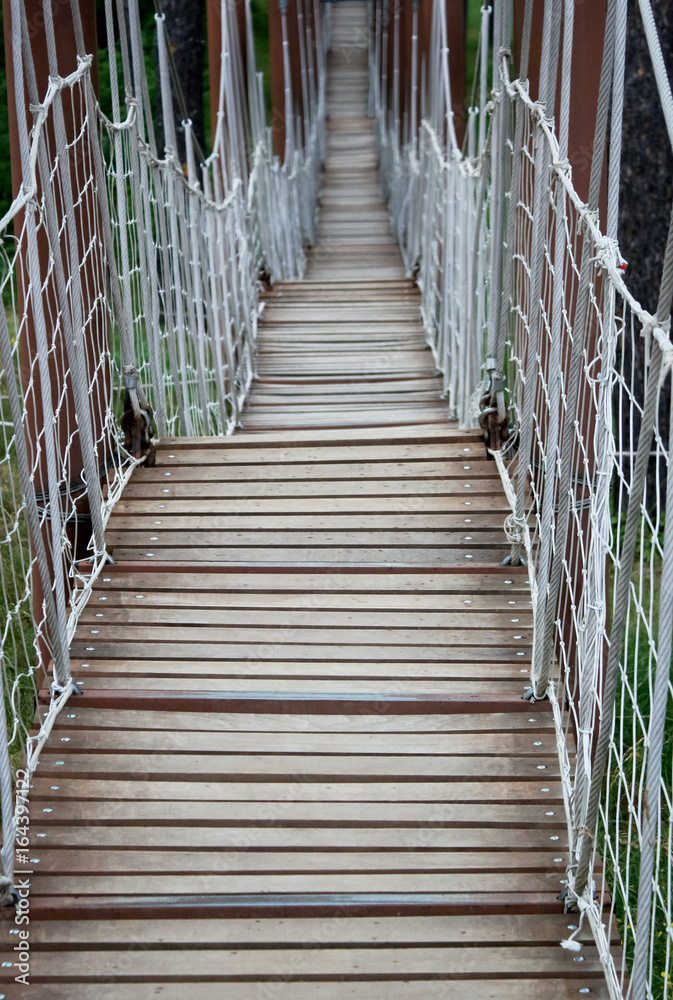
53 861
223 965
483 989
314 791
326 882
55 762
466 601
299 453
100 833
443 637
323 472
510 581
85 718
445 931
535 744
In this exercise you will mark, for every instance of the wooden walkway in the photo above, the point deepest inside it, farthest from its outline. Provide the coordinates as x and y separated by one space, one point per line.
301 767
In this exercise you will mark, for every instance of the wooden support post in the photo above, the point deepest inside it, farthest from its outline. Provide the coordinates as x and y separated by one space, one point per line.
277 79
455 23
214 29
588 32
91 267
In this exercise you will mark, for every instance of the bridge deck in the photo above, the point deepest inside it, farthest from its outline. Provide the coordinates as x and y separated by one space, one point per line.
301 767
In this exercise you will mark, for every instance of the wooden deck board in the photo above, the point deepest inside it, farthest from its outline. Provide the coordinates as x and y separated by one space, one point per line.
301 766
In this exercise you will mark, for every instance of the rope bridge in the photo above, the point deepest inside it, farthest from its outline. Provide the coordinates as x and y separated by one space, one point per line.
132 296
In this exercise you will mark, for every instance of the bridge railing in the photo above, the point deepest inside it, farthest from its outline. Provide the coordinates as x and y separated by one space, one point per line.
130 304
573 377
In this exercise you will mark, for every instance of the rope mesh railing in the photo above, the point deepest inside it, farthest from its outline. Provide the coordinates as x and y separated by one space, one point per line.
527 308
130 305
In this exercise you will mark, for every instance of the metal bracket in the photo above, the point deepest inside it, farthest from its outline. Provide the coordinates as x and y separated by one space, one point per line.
507 561
529 695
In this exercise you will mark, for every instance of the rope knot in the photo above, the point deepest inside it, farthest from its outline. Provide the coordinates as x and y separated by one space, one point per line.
608 254
661 334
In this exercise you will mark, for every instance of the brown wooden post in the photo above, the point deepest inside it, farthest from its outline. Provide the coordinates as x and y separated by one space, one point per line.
588 37
277 79
424 36
214 30
588 32
97 328
455 24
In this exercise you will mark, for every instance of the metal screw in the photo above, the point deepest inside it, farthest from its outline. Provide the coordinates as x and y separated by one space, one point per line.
47 810
468 556
572 927
150 554
102 598
549 813
554 838
57 763
537 743
54 788
107 579
468 503
65 739
542 767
